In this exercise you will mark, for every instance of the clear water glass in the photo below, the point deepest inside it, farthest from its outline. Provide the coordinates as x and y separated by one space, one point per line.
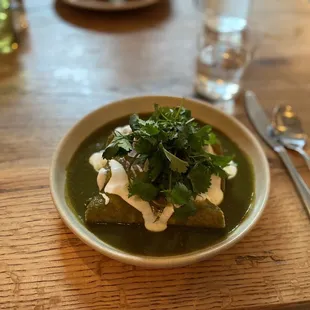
225 16
225 47
220 65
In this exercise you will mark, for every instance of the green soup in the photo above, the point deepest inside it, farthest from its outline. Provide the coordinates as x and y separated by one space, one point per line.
81 185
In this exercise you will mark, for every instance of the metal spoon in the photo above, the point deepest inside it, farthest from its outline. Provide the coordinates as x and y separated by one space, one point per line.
288 129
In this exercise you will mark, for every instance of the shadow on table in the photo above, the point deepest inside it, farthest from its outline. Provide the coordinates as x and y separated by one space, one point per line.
114 22
226 106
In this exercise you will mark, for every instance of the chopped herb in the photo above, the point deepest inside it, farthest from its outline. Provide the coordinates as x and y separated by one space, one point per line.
146 191
176 164
200 177
120 145
172 146
186 210
156 165
180 194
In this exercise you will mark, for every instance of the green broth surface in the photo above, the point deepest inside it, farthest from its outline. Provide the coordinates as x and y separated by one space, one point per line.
81 185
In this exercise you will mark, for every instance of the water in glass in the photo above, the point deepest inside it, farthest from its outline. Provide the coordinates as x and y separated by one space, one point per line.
224 50
220 66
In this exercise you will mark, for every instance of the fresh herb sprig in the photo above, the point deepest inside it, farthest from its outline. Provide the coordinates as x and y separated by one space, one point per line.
173 147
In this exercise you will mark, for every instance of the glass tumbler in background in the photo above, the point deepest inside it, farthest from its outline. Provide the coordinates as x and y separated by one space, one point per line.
220 65
226 46
225 16
8 40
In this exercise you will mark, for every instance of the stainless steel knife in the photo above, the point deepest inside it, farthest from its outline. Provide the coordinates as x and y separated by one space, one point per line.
262 125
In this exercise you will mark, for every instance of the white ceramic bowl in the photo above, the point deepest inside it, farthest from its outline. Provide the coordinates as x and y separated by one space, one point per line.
200 110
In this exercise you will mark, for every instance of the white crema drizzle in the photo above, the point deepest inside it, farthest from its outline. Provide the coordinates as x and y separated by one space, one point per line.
118 185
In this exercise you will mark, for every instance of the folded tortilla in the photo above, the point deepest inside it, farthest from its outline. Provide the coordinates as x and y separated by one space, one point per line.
117 211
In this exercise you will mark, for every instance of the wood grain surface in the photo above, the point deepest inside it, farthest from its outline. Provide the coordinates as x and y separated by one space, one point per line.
73 61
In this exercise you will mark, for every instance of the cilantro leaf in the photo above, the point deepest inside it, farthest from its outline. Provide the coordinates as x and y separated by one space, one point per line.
146 191
176 164
200 178
220 160
122 142
180 194
143 146
120 145
186 114
181 137
150 128
186 210
200 137
211 139
156 165
134 122
110 151
203 132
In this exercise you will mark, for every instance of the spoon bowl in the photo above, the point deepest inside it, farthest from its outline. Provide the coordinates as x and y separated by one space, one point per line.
288 129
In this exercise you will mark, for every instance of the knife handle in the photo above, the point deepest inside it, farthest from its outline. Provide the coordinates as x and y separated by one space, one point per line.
300 184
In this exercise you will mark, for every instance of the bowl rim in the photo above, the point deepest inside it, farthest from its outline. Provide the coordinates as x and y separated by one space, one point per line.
155 261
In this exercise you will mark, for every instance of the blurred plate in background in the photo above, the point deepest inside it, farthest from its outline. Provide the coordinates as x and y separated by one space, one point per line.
110 5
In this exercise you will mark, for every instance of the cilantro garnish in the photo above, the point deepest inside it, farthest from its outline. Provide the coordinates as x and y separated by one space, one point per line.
172 146
176 164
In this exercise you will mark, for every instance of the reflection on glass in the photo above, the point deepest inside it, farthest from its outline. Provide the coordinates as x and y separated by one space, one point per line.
220 66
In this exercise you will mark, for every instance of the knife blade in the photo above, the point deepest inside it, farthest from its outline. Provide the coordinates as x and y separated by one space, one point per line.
262 125
260 120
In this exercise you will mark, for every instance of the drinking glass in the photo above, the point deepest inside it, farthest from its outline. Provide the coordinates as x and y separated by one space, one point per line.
225 47
220 65
225 16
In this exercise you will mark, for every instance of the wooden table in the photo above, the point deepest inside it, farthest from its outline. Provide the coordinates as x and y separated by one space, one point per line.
74 61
